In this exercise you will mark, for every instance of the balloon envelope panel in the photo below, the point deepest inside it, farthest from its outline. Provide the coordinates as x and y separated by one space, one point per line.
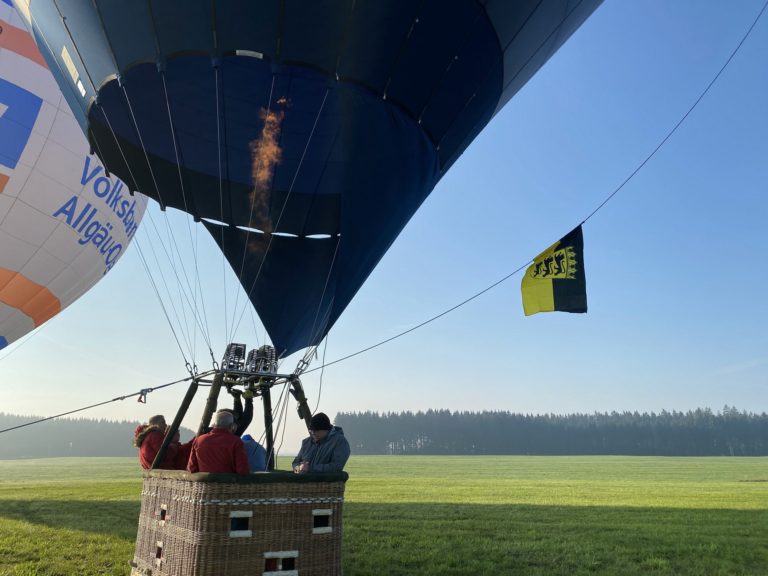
63 221
310 132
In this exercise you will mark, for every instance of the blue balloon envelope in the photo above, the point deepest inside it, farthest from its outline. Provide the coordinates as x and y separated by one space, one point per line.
303 134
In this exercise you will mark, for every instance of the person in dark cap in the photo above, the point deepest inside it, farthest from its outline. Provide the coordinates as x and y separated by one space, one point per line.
325 450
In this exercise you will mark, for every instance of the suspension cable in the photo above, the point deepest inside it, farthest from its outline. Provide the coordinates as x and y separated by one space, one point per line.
160 300
172 301
322 371
221 198
135 182
186 209
282 422
425 322
171 240
141 393
314 333
603 203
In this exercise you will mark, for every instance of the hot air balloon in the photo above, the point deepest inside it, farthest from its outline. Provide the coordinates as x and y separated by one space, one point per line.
64 222
304 136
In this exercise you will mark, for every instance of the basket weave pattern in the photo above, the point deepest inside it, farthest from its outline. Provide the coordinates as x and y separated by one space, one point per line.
186 526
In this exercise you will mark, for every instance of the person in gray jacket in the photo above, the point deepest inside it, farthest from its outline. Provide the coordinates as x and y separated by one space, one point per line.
325 450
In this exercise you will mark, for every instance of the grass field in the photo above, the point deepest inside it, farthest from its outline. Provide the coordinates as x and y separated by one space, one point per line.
438 516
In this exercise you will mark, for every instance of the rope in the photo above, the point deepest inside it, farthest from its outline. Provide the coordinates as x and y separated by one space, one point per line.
409 330
685 116
603 203
141 394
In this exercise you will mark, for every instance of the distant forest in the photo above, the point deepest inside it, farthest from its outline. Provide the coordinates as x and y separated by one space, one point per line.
68 437
700 432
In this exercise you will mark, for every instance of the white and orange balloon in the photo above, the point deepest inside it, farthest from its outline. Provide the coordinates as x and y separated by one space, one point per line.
64 221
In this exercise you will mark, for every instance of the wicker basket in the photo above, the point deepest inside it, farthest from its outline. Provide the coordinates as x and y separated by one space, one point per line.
270 524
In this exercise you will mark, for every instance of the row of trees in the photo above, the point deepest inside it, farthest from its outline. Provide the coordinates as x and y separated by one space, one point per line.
67 437
700 432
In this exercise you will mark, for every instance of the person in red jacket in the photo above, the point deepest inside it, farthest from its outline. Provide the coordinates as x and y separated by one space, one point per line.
149 437
220 450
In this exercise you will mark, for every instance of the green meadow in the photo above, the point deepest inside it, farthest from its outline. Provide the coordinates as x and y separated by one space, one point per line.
437 516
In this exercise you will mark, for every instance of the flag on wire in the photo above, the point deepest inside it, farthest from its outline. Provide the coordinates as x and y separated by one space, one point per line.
555 281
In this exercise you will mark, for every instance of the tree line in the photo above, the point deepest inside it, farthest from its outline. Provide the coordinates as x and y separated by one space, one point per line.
700 432
68 437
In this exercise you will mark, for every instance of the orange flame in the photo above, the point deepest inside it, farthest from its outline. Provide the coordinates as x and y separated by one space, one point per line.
265 156
265 151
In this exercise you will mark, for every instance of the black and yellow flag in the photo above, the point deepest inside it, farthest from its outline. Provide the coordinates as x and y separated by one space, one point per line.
555 281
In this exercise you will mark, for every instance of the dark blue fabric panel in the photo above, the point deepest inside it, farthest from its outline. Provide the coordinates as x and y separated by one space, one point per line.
316 45
305 214
534 38
248 25
473 118
309 127
381 193
523 28
145 120
509 18
183 25
128 26
143 129
280 286
376 37
478 60
91 43
290 326
435 41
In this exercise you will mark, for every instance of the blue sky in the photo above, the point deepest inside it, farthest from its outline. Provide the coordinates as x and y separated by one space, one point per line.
675 262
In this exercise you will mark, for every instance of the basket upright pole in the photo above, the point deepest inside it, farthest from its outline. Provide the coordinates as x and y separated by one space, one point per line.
266 397
210 404
169 434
